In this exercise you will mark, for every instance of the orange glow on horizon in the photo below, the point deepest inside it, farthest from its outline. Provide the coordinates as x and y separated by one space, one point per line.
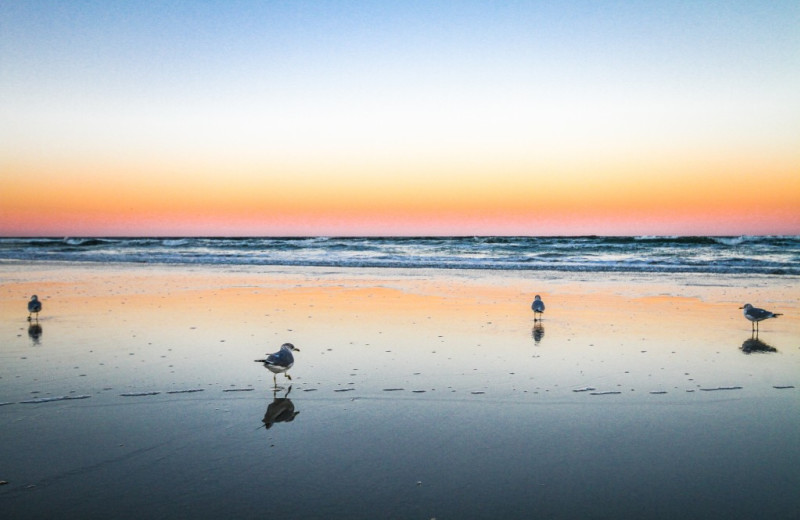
95 199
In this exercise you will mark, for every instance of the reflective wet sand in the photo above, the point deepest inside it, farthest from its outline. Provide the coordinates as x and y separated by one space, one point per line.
416 394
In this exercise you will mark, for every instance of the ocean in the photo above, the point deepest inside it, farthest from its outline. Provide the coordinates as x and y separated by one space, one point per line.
769 255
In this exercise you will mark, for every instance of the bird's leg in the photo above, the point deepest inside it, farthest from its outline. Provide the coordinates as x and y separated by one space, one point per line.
287 376
275 380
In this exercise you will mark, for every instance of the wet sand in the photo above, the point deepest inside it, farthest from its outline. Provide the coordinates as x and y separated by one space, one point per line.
416 394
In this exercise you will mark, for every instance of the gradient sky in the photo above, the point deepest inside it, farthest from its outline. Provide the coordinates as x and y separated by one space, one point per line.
399 117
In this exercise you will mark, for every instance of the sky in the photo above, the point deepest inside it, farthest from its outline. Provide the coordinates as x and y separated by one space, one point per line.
297 118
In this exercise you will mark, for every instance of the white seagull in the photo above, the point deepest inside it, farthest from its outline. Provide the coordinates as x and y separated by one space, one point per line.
538 307
280 361
754 314
34 307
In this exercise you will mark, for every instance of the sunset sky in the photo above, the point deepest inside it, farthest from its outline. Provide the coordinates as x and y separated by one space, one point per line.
399 118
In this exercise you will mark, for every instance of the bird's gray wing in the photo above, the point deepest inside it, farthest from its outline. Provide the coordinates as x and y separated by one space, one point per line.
759 314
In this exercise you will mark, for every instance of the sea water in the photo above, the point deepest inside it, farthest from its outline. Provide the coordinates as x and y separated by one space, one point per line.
772 255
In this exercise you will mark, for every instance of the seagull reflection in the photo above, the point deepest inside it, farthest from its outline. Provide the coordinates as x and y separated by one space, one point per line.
755 345
35 332
281 409
537 332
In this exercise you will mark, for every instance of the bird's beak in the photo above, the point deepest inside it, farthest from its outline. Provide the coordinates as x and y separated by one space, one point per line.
741 307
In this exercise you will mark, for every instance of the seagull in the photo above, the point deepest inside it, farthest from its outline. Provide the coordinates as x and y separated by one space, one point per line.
280 361
34 306
538 307
754 314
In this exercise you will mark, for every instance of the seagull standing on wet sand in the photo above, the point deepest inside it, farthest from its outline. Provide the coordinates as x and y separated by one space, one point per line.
754 314
538 307
34 307
280 361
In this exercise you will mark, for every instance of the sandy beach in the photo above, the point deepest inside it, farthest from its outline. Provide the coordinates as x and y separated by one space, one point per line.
416 394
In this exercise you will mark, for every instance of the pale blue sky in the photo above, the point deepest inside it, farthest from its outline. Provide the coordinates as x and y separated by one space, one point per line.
461 82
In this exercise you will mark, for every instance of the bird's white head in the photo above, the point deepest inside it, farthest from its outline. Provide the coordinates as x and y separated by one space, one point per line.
34 298
289 346
746 306
537 297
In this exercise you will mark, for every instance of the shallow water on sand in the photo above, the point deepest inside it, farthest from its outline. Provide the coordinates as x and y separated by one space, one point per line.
412 397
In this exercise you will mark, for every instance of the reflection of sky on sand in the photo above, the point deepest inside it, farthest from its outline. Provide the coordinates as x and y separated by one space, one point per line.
444 385
170 331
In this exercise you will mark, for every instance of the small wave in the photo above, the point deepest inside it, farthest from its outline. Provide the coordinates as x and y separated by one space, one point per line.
175 242
85 242
138 394
677 240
